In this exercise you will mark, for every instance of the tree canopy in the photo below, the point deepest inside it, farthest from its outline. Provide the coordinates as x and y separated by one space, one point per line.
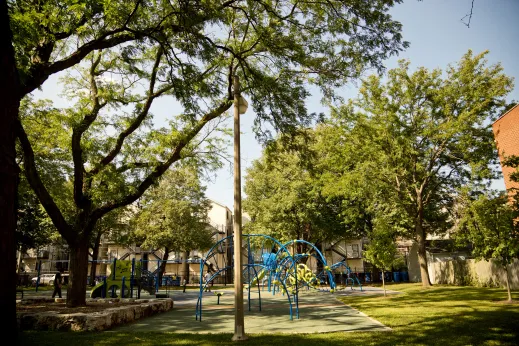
382 251
284 196
490 224
173 214
127 55
34 229
407 144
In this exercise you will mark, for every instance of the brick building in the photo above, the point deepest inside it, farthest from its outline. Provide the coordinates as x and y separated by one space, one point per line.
506 134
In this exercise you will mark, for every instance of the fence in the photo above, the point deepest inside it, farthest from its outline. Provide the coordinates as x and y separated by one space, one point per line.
475 273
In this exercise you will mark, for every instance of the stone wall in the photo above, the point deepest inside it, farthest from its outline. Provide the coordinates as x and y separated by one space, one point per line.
96 321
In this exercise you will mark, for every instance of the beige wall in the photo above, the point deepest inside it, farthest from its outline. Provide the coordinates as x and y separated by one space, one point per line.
413 266
472 272
354 258
219 214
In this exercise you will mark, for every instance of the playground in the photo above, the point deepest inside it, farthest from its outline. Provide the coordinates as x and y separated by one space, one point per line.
319 313
286 290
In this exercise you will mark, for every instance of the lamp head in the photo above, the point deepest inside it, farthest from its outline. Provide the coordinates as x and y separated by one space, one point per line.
243 105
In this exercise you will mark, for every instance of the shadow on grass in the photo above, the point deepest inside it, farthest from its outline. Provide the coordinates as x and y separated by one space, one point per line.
439 316
496 327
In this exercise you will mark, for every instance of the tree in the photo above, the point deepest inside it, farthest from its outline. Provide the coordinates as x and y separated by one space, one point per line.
490 224
419 137
10 102
173 216
284 198
114 226
173 49
34 229
382 251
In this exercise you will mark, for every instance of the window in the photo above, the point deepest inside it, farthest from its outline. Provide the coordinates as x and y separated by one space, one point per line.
355 251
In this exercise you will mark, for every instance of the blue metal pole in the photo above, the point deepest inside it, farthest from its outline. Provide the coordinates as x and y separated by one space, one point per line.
132 278
113 277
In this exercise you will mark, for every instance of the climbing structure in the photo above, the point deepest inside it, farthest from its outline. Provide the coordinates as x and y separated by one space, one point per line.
343 268
125 276
268 266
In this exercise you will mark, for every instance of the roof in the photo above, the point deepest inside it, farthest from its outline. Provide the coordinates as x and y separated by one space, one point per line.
508 111
220 204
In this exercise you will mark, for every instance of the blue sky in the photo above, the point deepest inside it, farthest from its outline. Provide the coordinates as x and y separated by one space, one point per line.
437 37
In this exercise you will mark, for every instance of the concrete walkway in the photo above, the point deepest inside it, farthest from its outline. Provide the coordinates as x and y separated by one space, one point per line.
319 312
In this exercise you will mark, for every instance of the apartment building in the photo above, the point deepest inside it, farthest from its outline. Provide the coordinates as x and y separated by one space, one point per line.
506 136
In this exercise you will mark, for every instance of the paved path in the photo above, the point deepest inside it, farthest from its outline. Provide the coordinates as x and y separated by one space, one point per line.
318 312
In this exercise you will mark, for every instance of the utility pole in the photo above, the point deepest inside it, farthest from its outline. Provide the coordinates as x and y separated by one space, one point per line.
239 325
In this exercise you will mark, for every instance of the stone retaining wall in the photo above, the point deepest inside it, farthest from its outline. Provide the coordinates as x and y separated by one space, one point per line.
95 321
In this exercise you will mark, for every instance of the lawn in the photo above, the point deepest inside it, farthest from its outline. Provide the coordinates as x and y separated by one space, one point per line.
442 315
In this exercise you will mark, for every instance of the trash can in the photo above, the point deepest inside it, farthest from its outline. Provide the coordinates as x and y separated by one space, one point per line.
396 276
405 276
368 277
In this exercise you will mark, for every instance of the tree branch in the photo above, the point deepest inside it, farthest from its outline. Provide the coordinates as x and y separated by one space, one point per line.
160 169
39 188
77 133
138 120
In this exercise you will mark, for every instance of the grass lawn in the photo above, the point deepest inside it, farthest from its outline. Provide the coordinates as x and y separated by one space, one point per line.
442 315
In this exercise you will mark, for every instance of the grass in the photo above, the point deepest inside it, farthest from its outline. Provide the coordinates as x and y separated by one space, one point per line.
442 315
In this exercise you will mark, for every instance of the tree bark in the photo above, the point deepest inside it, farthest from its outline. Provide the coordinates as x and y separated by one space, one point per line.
422 255
384 282
10 104
76 292
508 283
184 272
420 238
95 255
162 268
20 259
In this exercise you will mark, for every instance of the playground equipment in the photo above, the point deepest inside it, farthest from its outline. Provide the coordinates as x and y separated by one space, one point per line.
351 279
124 278
269 265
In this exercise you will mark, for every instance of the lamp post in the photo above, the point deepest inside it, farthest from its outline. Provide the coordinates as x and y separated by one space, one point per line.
240 107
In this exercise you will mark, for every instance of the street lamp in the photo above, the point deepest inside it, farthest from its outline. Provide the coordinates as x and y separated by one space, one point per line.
240 107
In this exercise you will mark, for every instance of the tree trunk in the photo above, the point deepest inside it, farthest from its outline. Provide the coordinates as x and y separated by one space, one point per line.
376 271
508 283
20 257
384 282
422 255
76 292
184 272
95 255
162 267
10 104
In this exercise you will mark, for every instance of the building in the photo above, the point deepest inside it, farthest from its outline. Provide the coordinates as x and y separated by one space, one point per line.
219 220
506 135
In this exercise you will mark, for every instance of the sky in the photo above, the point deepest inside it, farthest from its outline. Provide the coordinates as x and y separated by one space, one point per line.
437 38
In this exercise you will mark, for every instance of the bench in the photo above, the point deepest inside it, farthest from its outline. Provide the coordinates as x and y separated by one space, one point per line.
20 291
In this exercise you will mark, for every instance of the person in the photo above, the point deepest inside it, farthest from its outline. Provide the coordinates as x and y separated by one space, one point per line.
206 279
57 284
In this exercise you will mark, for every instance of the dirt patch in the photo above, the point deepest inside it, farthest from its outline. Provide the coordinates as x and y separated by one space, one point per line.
62 308
507 302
